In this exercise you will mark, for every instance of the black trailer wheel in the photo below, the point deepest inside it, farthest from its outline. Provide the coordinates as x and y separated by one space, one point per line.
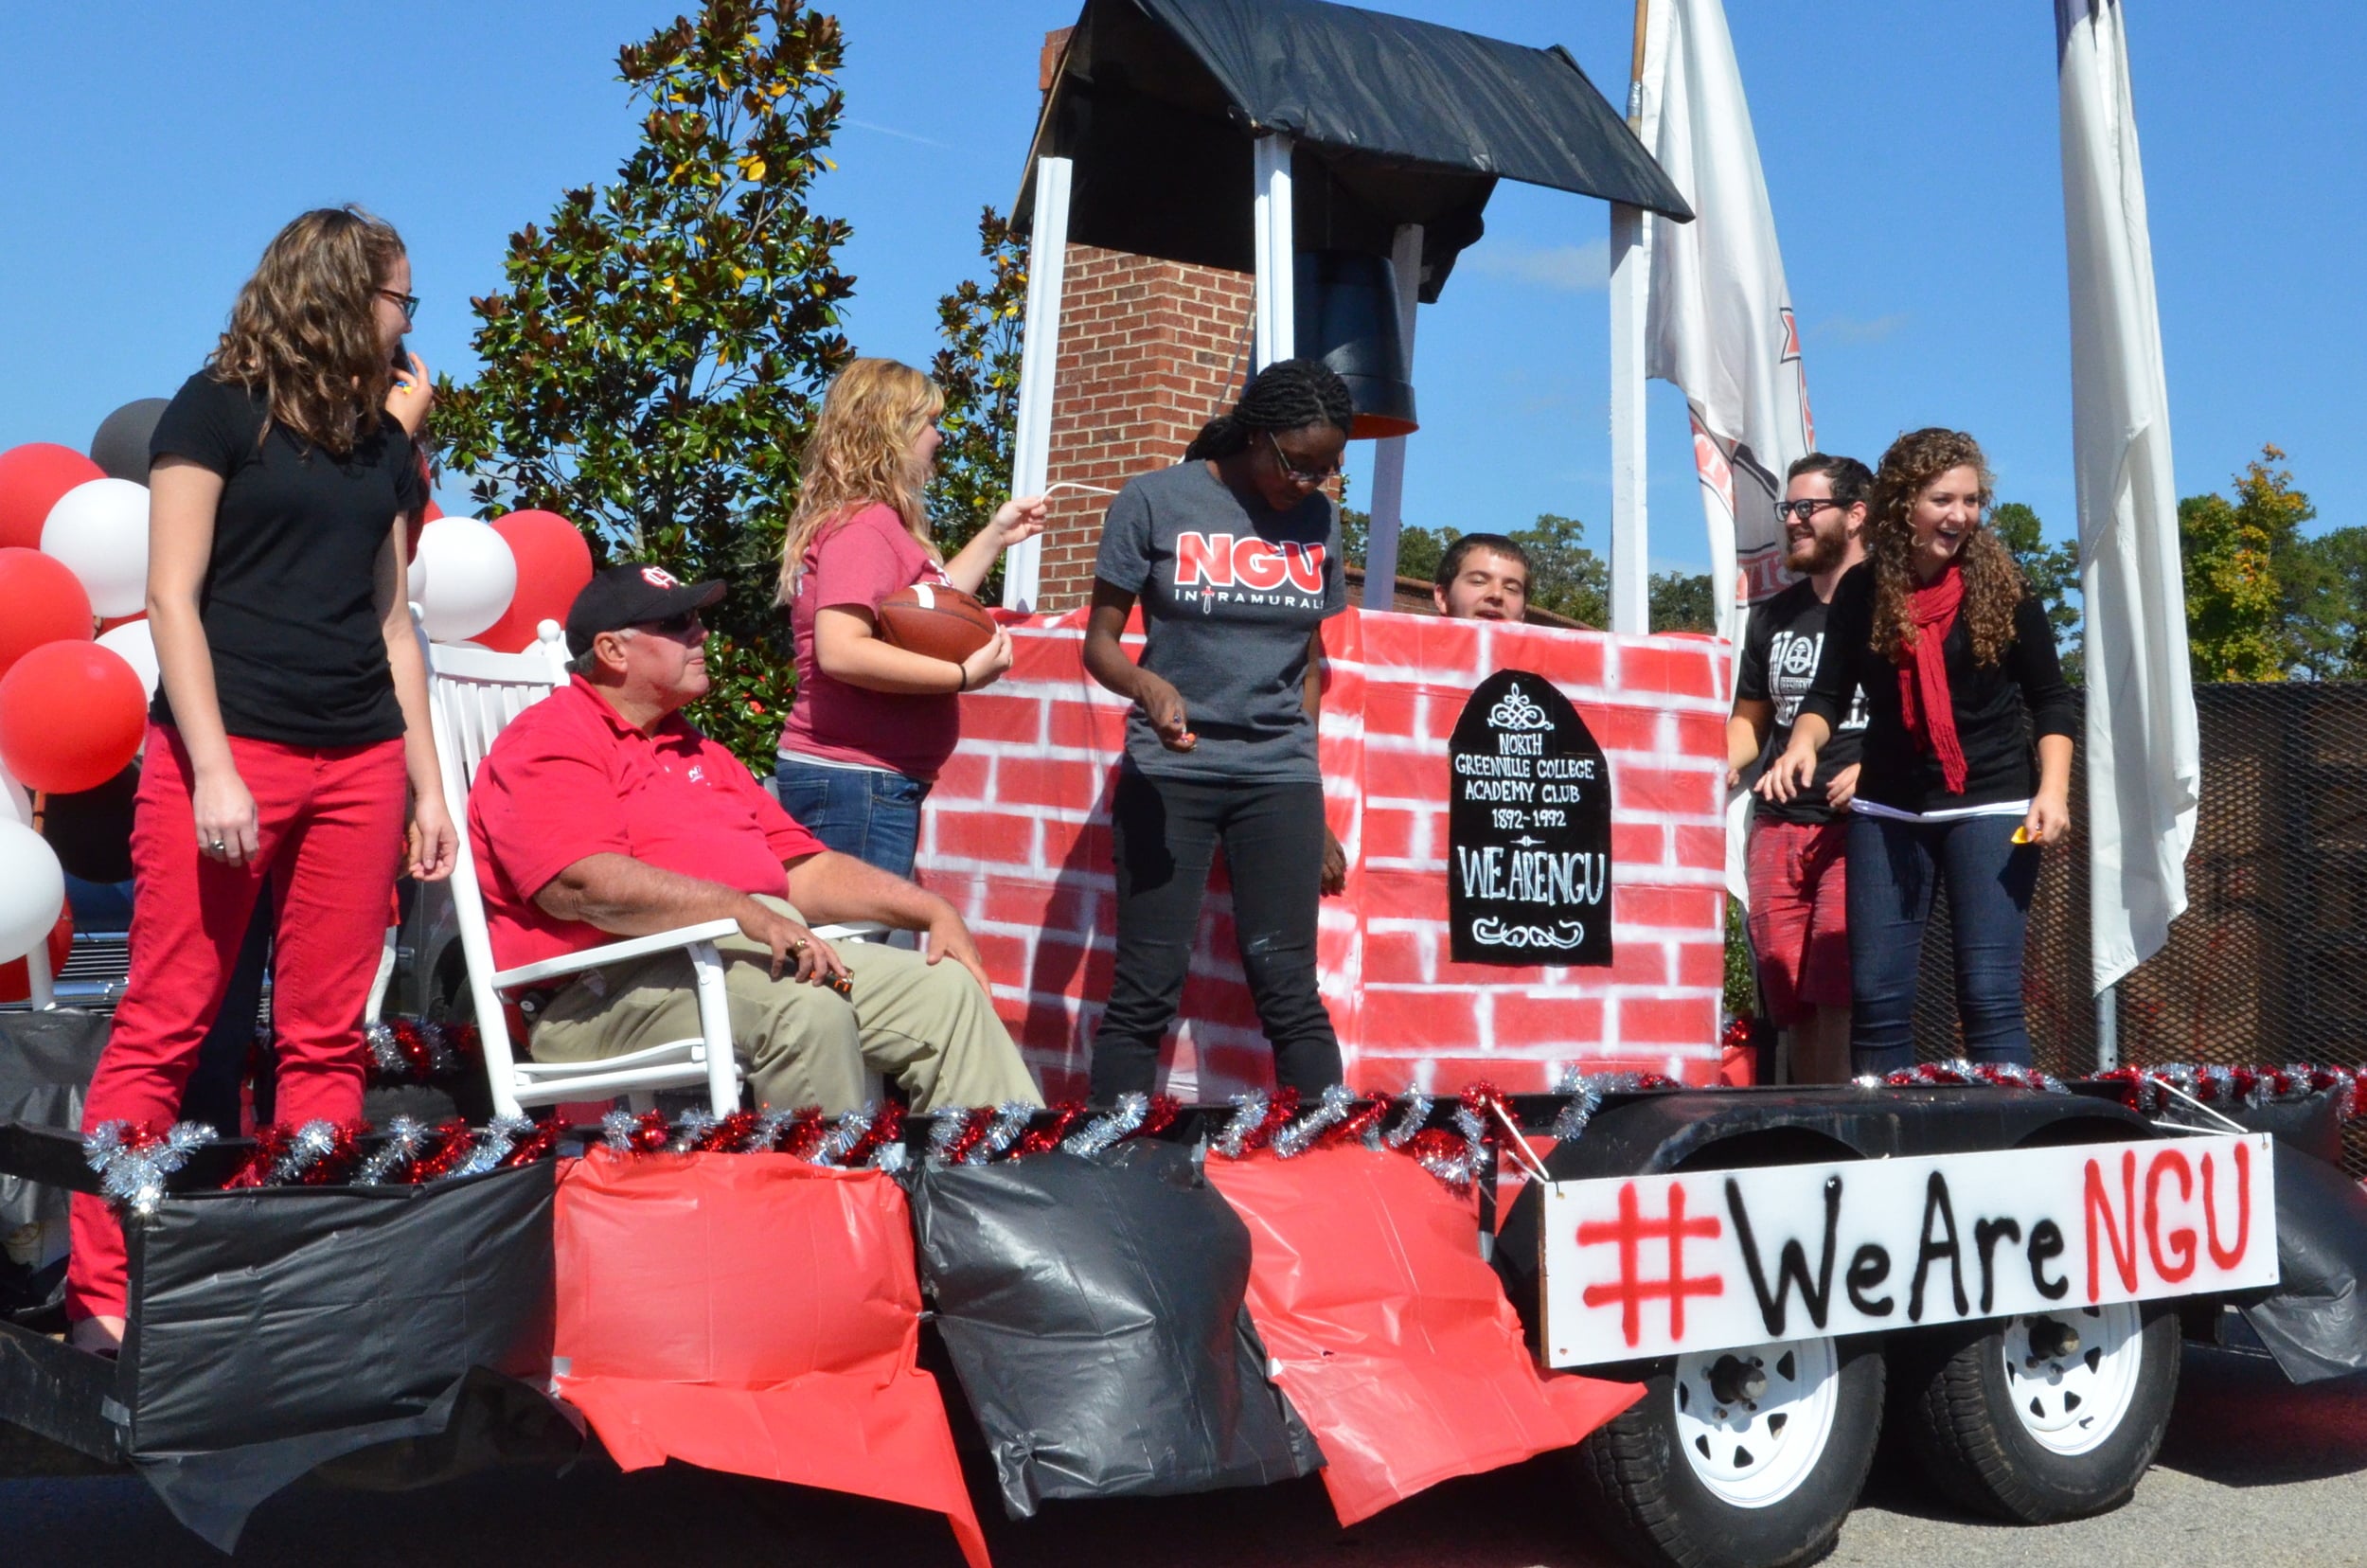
1739 1458
2046 1417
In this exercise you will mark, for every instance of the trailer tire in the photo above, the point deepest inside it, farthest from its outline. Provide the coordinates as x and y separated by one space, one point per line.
2003 1442
1652 1482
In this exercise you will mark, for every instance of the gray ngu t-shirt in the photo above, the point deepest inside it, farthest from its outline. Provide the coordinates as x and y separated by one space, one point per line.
1230 593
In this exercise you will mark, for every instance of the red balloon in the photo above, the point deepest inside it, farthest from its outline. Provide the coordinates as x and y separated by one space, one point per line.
554 564
13 979
40 601
32 477
71 716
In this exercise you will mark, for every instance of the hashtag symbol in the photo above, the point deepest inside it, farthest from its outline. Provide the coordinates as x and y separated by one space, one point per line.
1629 1233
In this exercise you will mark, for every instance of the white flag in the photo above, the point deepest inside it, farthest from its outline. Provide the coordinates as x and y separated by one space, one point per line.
2145 764
1721 324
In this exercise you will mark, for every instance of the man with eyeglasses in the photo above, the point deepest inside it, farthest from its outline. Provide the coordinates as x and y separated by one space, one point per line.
1798 882
600 813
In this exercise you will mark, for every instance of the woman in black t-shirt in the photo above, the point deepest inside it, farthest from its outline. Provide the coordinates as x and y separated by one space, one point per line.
1958 667
1234 555
291 720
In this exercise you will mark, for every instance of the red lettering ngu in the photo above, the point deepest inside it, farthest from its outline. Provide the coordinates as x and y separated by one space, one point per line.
2169 1162
2098 1200
2228 1258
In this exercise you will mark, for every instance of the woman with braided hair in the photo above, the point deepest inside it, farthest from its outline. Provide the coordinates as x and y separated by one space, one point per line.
1234 555
1958 665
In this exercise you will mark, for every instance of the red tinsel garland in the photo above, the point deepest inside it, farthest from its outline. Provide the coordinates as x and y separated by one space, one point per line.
2147 1089
729 1135
271 1146
537 1144
801 1132
455 1141
887 1128
1044 1139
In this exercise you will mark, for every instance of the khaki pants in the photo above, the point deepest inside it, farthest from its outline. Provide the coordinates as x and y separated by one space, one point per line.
928 1026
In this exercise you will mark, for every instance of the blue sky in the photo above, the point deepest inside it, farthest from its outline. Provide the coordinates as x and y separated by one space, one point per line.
149 150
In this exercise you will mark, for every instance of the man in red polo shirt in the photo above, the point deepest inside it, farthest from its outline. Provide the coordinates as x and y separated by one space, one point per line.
600 813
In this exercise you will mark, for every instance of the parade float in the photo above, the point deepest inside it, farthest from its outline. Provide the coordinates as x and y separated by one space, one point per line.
1543 1221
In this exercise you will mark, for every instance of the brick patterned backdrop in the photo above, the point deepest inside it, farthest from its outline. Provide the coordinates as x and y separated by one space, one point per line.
1017 834
1149 351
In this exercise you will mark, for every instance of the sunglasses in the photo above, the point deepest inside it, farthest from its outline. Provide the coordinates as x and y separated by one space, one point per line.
1805 510
673 626
410 303
1297 474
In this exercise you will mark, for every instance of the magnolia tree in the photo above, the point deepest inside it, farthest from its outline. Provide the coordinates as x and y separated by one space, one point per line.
658 351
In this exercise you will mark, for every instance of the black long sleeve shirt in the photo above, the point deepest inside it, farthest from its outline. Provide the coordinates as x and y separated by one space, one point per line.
1990 704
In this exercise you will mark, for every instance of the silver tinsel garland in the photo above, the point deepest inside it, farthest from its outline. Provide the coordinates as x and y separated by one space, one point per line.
404 1137
1111 1127
1302 1134
134 1175
1010 1120
1414 1111
1249 1114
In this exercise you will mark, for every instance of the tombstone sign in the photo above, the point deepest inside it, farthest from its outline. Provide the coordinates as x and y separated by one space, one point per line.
1529 828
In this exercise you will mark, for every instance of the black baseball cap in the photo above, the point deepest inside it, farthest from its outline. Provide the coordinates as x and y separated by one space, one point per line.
630 595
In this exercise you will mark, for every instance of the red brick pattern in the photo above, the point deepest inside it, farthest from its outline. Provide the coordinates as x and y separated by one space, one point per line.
1149 351
1017 835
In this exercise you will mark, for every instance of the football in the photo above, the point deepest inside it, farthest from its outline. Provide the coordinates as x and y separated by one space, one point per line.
942 623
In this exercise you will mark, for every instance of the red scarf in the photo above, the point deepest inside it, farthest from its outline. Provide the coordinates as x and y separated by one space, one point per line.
1924 704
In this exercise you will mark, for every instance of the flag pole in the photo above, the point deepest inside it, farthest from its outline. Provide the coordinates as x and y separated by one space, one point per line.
1631 266
1635 67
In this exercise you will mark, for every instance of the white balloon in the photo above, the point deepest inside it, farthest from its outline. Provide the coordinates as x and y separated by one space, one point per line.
136 643
99 529
470 577
32 890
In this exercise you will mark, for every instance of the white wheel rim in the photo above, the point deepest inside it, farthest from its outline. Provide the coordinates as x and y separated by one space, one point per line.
1755 1452
2071 1401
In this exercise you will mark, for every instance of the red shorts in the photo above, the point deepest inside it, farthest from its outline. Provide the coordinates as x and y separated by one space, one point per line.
1800 916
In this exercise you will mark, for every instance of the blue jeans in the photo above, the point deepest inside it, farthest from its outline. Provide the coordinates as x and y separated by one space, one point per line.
1893 867
871 813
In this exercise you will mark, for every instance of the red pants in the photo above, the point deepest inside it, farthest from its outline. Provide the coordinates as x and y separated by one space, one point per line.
1800 916
330 826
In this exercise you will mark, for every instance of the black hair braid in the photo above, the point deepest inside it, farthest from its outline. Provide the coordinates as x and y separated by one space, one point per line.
1287 395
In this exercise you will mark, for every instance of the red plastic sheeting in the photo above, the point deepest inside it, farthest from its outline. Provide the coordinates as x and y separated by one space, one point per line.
1390 1336
756 1314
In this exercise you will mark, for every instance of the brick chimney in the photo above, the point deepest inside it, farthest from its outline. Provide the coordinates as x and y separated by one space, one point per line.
1150 351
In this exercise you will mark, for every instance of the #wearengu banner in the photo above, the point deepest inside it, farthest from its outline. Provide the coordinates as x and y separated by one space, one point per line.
1720 324
1721 1259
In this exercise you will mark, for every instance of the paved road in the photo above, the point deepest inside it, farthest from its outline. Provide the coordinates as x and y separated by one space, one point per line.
2254 1473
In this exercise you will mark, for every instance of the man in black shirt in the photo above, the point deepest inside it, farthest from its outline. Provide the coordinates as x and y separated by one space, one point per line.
1799 898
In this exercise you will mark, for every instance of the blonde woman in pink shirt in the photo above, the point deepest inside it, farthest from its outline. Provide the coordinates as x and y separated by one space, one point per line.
872 723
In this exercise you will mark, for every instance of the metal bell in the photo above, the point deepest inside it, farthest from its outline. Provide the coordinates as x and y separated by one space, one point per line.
1346 307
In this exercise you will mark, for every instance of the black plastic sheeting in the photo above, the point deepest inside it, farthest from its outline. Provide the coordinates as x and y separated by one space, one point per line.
276 1331
45 1060
2315 1323
1396 122
1094 1312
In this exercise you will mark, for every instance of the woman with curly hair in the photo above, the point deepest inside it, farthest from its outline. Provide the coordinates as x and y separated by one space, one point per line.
1234 555
290 722
873 723
1958 665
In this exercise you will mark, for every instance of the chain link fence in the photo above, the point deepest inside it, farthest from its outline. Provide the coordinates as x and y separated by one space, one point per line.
2268 964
